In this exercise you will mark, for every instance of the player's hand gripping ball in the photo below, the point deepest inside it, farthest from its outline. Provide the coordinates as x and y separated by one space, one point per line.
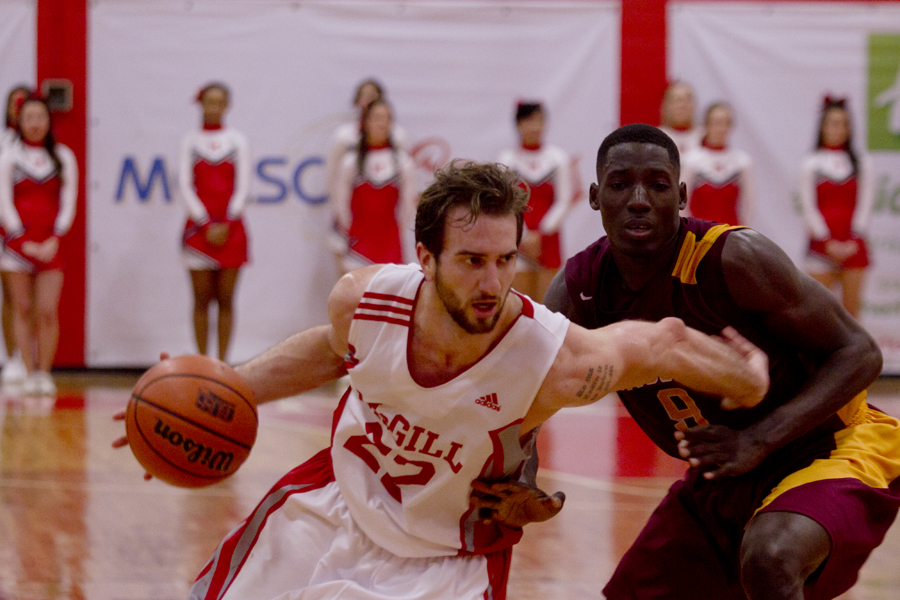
191 421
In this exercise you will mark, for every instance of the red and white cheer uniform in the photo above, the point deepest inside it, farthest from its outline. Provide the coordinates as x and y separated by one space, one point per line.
837 205
548 172
719 184
214 180
346 139
374 207
36 202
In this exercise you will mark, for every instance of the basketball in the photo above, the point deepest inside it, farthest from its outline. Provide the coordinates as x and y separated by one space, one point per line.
191 421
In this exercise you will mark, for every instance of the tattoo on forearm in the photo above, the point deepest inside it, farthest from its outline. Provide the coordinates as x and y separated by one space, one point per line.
596 384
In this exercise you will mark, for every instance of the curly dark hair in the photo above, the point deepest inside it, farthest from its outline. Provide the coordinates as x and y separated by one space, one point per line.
482 188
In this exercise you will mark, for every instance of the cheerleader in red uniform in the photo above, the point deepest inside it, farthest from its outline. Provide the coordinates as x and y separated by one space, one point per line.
14 371
214 179
346 137
547 171
375 195
836 195
38 190
677 116
719 178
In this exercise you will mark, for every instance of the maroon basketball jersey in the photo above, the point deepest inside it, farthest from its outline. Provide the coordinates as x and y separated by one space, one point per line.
692 288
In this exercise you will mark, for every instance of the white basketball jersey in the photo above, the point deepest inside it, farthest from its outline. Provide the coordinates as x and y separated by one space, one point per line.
405 455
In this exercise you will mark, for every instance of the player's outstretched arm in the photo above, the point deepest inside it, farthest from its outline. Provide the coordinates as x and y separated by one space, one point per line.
593 363
300 363
313 357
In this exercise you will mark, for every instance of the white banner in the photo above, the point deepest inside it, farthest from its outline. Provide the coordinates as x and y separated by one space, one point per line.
774 62
453 71
18 41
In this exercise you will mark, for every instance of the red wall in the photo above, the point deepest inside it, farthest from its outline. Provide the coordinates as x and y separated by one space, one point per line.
62 54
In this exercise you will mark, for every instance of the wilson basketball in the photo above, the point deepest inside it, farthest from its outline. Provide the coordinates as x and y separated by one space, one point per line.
191 421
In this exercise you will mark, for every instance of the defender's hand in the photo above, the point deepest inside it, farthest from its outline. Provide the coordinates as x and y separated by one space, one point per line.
514 504
719 451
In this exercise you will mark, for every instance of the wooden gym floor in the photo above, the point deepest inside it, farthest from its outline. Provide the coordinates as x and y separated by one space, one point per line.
78 522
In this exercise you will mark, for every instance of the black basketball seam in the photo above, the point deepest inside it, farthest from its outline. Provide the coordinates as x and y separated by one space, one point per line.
137 426
186 420
252 405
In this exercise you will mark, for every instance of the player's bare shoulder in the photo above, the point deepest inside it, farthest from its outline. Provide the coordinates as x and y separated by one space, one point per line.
346 295
759 274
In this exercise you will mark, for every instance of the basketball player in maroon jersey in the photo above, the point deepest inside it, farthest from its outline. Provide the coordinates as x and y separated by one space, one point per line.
782 501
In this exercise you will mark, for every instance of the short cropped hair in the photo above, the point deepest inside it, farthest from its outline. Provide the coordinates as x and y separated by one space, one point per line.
526 109
482 188
640 133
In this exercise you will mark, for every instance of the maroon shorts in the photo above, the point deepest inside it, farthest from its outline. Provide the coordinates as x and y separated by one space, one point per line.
690 547
683 554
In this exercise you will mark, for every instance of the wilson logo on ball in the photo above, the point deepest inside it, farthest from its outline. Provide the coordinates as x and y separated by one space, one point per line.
218 407
217 460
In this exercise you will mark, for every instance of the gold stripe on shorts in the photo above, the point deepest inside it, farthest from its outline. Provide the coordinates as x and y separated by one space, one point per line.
868 449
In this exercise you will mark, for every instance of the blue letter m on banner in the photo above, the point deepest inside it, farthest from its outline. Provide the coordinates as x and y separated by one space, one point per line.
130 171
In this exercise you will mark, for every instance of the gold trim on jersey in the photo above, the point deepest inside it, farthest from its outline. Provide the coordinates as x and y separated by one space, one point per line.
692 252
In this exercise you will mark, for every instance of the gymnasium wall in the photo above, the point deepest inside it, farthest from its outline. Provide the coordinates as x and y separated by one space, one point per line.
774 62
453 70
17 43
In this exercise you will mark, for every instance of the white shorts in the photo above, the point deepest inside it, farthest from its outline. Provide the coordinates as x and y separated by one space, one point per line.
303 545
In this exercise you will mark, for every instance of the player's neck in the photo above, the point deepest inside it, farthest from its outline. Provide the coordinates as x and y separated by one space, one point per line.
638 271
441 349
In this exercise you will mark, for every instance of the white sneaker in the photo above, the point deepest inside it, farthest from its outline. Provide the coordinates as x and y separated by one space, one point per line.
14 371
39 383
30 385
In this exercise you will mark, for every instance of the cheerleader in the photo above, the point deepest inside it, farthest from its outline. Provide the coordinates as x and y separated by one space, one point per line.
214 180
375 195
677 116
14 371
719 178
38 191
346 137
547 172
836 196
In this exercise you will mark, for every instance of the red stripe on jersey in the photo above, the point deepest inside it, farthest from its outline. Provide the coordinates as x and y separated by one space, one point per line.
498 564
527 306
385 307
381 318
338 412
389 298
